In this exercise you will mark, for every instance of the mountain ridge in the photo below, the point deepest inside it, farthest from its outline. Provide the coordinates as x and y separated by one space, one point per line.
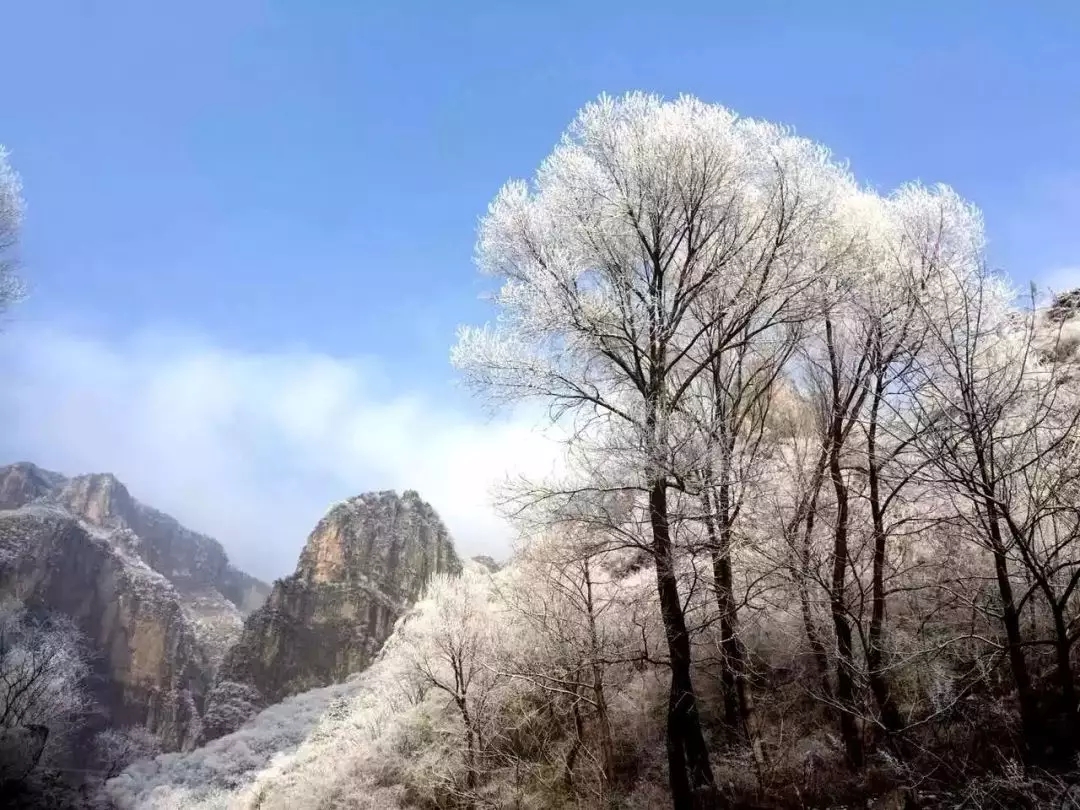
159 603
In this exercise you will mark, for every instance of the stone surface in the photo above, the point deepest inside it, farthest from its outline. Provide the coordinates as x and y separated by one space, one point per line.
193 562
365 563
22 483
158 603
488 563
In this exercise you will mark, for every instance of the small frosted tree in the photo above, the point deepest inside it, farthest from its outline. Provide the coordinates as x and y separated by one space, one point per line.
562 602
117 748
42 673
446 645
228 706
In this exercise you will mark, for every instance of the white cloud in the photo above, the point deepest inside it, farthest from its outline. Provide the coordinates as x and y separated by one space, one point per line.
253 448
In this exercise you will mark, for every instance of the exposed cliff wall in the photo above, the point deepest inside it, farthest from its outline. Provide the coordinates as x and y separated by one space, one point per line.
158 603
22 483
365 563
149 667
193 562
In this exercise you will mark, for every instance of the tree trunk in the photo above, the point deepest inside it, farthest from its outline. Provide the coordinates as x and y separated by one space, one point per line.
845 669
1063 652
875 653
470 747
1029 712
575 748
607 744
813 638
689 771
733 663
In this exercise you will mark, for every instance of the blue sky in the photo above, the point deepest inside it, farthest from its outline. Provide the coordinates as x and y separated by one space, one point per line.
293 187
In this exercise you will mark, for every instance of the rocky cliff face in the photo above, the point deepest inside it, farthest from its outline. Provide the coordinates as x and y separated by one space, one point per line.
364 564
159 603
193 562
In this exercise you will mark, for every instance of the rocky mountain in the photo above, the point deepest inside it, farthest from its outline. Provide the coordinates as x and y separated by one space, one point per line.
487 563
365 563
159 604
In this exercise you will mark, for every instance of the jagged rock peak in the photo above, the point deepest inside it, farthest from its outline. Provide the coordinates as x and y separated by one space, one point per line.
24 482
487 563
190 560
99 498
158 603
389 541
365 563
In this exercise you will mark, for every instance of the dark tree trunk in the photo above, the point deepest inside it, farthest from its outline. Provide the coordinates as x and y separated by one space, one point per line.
845 669
689 771
607 745
1010 617
1063 653
842 407
875 653
470 747
813 637
733 664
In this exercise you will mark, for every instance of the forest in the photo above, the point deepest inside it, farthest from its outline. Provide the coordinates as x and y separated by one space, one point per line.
813 539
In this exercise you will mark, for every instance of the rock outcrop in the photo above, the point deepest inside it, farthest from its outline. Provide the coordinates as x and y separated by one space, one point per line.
193 562
158 603
366 562
487 563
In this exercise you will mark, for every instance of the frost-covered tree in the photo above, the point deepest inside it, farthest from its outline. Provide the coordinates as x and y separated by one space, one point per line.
11 211
564 610
447 647
849 453
116 748
228 706
730 410
653 239
43 673
1000 423
919 235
